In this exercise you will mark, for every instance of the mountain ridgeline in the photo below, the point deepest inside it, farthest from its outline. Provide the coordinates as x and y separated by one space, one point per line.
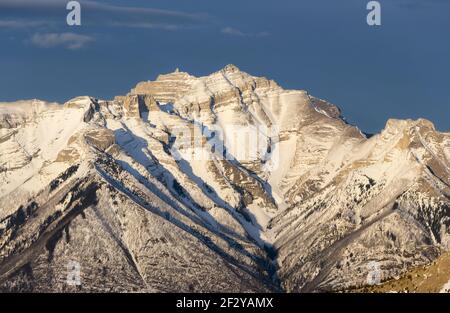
222 183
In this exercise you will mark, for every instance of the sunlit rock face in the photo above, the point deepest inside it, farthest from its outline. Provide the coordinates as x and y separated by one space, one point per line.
226 182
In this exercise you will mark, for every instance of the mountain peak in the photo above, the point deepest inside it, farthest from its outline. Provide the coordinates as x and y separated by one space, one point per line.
219 165
231 68
393 124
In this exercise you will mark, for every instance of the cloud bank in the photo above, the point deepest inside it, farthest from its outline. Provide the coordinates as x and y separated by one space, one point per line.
70 41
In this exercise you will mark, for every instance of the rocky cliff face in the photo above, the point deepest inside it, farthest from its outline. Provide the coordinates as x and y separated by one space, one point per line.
220 183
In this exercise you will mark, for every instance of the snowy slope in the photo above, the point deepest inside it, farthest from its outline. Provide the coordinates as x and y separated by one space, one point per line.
225 182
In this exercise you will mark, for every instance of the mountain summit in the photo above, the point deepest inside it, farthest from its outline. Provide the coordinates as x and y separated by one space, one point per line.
226 182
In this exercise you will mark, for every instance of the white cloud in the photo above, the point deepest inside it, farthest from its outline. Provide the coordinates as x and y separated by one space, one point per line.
233 32
104 14
236 32
169 27
67 40
21 23
262 34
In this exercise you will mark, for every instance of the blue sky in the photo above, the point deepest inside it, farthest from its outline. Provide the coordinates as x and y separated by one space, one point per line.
400 69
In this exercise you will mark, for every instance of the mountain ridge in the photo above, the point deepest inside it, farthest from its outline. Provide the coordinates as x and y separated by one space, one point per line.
306 206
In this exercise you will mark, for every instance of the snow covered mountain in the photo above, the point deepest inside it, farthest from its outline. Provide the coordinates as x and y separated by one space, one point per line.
220 183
